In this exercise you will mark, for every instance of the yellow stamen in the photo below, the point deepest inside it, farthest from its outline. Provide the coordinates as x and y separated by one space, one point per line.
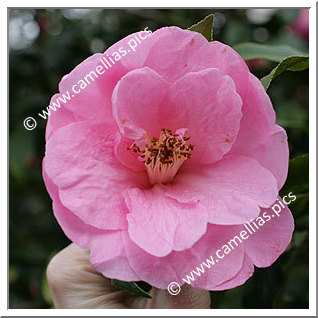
148 139
163 156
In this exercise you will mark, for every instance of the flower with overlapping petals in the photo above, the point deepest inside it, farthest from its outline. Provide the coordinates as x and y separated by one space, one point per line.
159 162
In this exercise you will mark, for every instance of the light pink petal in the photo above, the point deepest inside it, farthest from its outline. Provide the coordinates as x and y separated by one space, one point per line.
172 56
272 238
211 112
159 224
259 137
90 102
108 256
85 67
181 132
230 63
173 52
57 119
80 160
74 228
240 278
134 48
177 52
273 154
137 102
127 157
86 91
107 250
160 271
94 100
232 190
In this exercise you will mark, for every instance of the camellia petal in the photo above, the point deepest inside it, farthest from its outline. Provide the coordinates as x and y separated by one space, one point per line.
131 99
259 137
212 113
271 239
240 278
157 163
160 271
74 228
160 224
109 257
232 190
80 159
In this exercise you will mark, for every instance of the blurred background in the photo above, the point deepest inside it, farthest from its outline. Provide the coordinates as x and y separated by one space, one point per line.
46 44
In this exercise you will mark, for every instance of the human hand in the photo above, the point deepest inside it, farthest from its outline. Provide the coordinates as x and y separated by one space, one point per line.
75 284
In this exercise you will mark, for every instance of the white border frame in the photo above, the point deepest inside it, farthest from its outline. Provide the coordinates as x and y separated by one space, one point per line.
156 312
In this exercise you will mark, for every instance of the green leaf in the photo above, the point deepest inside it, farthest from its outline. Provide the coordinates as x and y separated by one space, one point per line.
46 293
130 287
204 27
275 53
291 63
298 176
289 58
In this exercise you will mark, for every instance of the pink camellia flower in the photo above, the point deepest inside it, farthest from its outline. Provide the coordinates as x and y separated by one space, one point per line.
162 159
301 25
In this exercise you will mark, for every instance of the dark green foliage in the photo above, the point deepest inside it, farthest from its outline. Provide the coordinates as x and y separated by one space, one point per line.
65 38
205 27
131 287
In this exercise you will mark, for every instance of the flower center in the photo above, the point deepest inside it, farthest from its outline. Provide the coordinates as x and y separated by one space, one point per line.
164 156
